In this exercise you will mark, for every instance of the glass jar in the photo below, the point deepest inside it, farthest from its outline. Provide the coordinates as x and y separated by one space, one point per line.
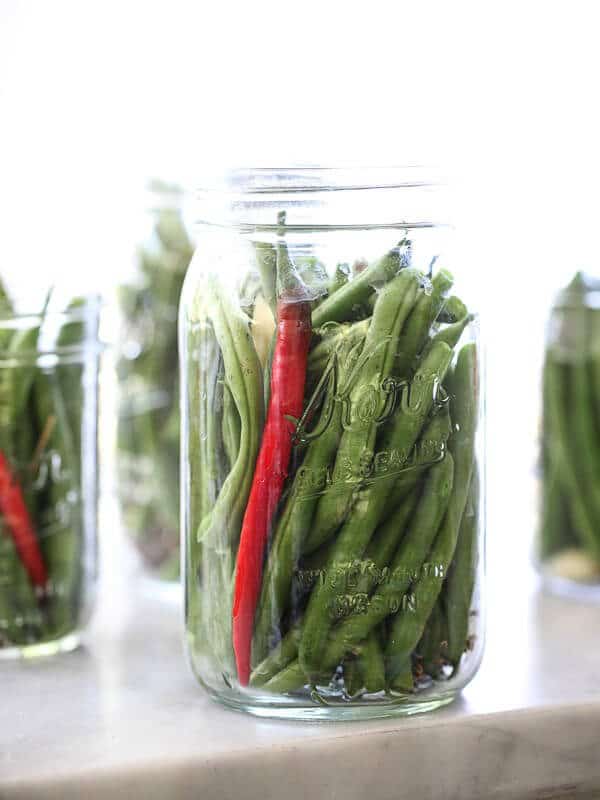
49 361
332 450
148 431
568 551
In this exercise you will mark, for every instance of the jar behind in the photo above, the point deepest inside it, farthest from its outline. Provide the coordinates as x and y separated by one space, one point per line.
568 550
332 453
49 362
148 435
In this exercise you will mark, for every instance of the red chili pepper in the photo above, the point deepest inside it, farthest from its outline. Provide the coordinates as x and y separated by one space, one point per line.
20 527
288 375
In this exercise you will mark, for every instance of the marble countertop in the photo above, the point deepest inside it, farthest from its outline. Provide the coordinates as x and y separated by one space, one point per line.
123 717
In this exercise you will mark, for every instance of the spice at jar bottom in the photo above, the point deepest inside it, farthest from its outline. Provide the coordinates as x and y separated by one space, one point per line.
331 484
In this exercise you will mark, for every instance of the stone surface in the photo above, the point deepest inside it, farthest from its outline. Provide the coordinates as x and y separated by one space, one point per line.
124 718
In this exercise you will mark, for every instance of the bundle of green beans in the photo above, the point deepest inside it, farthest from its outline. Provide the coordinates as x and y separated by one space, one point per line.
42 515
368 583
148 435
569 538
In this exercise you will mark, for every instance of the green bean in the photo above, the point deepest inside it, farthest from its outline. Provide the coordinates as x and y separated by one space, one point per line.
20 378
266 259
371 664
220 529
338 342
555 532
289 679
339 306
350 544
391 311
404 682
417 400
279 657
585 452
451 333
313 275
169 225
63 521
420 320
453 310
432 642
430 447
389 594
201 352
386 539
353 678
231 427
59 395
14 628
5 304
405 484
19 605
244 377
335 336
407 626
571 447
341 276
5 310
561 451
216 467
298 512
149 373
594 315
267 370
378 555
460 581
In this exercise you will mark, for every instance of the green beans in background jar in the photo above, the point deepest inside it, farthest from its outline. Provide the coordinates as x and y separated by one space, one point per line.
332 447
148 430
49 363
568 543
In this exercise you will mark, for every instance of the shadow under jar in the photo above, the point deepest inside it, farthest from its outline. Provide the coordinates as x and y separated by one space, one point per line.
49 364
332 472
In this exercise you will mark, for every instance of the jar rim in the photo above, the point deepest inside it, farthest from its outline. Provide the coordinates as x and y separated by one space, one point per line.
78 312
321 198
313 178
86 310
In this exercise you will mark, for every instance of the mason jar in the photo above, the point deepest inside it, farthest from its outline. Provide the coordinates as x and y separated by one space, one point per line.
332 447
49 361
148 429
568 542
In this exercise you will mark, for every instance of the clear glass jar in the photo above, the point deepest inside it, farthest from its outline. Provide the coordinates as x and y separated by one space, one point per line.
148 431
332 450
568 544
49 362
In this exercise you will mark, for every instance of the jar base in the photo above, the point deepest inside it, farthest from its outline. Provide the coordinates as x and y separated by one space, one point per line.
334 712
66 644
564 587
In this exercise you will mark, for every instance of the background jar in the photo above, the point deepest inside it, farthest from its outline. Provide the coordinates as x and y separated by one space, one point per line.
334 552
49 362
568 544
148 431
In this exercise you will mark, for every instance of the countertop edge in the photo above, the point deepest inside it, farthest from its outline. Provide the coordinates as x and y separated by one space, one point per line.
548 752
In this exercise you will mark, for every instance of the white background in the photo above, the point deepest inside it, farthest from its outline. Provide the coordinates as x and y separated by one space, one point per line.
97 96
